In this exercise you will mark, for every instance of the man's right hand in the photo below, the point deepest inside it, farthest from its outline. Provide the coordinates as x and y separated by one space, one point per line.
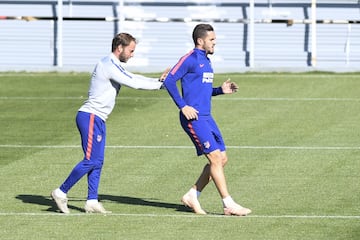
190 113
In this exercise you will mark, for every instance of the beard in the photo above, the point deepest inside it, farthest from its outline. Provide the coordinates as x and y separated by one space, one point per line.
210 50
123 58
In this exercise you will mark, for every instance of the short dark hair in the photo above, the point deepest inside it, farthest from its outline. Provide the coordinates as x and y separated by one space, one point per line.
200 31
123 39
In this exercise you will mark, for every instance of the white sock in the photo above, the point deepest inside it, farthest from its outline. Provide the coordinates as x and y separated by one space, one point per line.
60 193
193 192
198 193
92 201
227 201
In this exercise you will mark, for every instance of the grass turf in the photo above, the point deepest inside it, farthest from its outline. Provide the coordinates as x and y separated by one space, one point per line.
293 159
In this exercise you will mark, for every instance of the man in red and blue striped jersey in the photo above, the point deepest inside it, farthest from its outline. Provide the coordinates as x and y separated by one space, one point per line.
196 75
107 78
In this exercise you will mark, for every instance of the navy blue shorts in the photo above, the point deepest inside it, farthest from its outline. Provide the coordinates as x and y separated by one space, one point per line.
204 133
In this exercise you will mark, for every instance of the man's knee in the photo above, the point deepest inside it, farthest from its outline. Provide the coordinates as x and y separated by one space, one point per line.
224 160
215 157
93 163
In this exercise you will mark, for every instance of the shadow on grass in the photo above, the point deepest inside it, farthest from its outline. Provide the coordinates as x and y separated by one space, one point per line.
47 201
44 201
144 202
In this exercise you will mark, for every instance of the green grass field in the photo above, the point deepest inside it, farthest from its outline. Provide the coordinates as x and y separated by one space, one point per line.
293 145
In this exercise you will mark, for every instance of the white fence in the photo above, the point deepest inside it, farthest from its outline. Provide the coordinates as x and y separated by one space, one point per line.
272 35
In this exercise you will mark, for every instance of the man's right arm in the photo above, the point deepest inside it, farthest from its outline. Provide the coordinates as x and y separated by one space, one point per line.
170 83
171 87
124 77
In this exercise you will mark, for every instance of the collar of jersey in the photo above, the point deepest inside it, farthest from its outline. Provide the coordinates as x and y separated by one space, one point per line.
115 59
200 51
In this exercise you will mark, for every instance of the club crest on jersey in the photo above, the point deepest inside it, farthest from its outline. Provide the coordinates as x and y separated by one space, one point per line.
99 138
208 77
206 145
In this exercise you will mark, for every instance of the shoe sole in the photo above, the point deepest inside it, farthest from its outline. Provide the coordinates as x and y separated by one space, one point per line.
94 211
245 212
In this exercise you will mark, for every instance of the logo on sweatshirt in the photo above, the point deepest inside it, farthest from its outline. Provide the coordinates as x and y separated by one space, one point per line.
99 138
206 145
208 77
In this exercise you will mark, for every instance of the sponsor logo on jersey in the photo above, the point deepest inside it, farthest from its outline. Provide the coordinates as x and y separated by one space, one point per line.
208 77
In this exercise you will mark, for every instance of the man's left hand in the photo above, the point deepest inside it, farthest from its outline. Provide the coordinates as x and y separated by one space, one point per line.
229 87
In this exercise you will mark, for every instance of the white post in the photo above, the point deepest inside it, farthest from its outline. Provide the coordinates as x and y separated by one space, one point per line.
251 33
121 16
270 9
70 8
60 34
313 33
347 45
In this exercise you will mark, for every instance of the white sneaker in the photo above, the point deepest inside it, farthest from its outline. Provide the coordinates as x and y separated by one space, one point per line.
236 209
193 203
61 202
95 207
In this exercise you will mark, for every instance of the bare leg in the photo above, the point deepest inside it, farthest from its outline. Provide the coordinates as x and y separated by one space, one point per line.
205 176
203 179
217 161
190 199
214 170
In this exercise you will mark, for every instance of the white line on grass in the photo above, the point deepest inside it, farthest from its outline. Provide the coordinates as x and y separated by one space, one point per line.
40 98
243 75
291 99
168 98
185 147
182 215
